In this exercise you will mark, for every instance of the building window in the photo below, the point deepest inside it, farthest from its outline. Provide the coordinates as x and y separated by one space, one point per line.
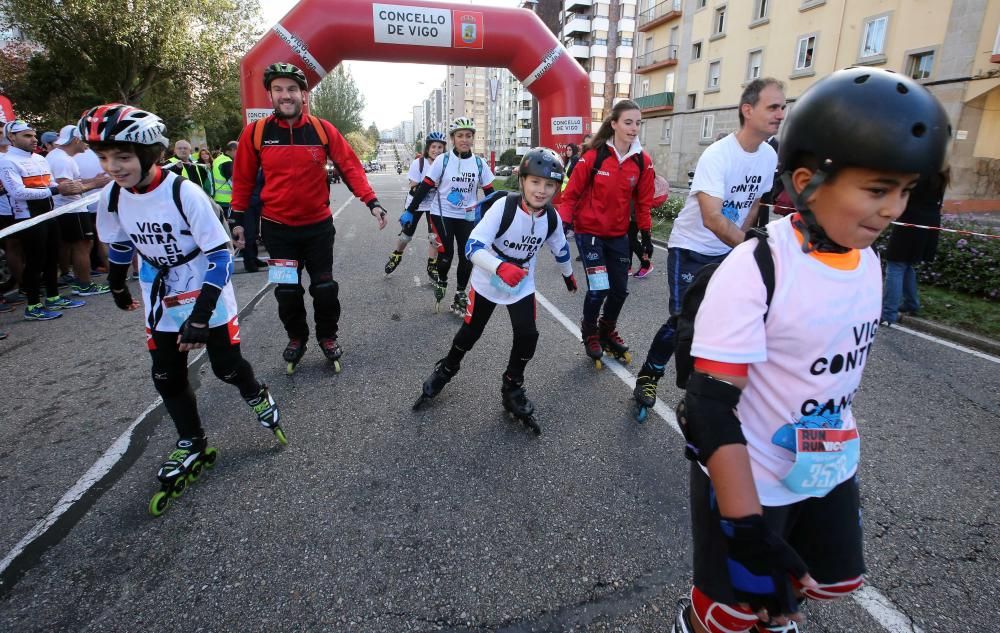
759 10
873 40
625 41
692 102
707 127
642 132
624 64
598 89
696 51
701 4
805 52
627 10
714 74
602 10
644 88
919 65
597 115
598 63
600 41
649 45
665 132
669 83
753 64
719 24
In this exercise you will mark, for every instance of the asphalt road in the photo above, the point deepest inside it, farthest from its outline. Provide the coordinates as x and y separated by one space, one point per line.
378 518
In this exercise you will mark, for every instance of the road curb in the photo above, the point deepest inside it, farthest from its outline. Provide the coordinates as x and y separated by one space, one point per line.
955 335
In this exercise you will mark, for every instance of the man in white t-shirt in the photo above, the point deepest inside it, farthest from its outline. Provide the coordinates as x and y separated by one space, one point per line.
730 177
76 229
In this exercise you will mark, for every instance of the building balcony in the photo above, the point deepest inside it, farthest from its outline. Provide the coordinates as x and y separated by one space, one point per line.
626 25
623 77
524 115
602 24
599 50
596 103
659 102
597 76
659 14
579 51
577 6
624 52
523 133
661 57
576 25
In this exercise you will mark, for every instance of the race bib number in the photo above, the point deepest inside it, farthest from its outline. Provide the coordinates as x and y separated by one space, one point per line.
283 271
470 215
823 459
179 307
597 278
500 285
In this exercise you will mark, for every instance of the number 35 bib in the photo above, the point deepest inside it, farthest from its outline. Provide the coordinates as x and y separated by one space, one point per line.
824 458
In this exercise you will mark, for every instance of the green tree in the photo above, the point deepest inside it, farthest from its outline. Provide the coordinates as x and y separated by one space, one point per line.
509 157
339 100
361 144
175 57
373 134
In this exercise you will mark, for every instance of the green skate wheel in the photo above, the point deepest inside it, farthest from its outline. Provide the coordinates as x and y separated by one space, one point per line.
336 367
598 364
278 433
627 357
290 368
195 472
178 487
159 503
210 456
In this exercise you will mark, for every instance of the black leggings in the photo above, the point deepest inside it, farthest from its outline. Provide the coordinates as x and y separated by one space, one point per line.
40 245
449 232
522 320
635 243
170 374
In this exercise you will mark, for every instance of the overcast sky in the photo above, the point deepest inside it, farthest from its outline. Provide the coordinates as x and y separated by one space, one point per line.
391 90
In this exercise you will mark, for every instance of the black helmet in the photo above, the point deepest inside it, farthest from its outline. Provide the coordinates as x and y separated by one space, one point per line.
541 162
867 117
282 69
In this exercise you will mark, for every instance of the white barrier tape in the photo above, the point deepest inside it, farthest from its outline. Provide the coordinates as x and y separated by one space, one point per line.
77 206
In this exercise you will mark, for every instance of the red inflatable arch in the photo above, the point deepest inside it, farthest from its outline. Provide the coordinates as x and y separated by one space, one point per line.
316 35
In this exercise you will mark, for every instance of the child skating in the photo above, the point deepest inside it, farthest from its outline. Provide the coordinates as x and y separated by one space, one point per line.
502 249
185 281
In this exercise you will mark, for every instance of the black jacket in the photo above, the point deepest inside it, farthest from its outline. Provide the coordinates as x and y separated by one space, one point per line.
910 245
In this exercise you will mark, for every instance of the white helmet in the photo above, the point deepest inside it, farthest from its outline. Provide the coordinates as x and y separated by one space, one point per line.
118 123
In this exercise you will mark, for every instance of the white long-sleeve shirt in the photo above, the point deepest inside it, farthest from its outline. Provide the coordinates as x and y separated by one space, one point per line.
27 178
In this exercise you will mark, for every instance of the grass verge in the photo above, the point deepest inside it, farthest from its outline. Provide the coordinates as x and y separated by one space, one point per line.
960 310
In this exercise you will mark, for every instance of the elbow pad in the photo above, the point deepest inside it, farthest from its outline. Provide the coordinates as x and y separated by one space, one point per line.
707 417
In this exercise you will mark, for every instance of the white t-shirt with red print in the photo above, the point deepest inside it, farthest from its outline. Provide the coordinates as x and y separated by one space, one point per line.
805 362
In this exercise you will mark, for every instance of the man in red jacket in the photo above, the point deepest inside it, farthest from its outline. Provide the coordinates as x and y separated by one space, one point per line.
291 149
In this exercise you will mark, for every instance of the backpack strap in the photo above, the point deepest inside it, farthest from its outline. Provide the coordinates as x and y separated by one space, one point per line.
602 153
479 167
765 262
113 196
258 133
176 190
421 168
550 215
324 138
509 211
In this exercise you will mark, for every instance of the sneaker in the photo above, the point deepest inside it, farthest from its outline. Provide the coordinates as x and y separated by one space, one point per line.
38 313
884 323
5 307
643 271
16 298
63 303
3 335
92 289
682 621
67 279
97 272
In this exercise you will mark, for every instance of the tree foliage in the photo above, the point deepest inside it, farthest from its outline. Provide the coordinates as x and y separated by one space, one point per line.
339 100
361 143
178 58
509 157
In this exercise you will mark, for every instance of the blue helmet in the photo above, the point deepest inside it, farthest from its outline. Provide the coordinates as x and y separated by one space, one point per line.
436 137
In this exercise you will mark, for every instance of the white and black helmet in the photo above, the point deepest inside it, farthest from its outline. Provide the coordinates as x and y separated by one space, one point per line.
119 123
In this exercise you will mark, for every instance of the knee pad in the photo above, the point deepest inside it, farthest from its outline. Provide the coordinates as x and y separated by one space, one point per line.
288 291
325 290
833 591
525 341
405 237
716 617
169 385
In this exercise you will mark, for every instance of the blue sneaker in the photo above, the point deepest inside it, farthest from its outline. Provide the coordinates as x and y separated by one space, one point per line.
89 290
66 279
16 298
63 303
38 313
5 307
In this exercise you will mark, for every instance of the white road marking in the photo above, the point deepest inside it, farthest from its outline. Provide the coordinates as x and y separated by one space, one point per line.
869 598
416 281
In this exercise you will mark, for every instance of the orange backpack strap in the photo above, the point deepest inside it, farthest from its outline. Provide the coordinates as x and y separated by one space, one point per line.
258 134
320 131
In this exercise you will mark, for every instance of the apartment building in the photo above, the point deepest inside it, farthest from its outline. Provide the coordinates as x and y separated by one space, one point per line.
599 34
465 95
419 130
695 57
503 108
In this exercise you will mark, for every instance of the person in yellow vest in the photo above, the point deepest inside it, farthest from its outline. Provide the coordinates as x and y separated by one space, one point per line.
183 165
222 177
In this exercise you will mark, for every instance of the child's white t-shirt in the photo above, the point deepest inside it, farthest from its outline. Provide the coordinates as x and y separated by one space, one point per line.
522 239
805 362
457 183
154 225
727 172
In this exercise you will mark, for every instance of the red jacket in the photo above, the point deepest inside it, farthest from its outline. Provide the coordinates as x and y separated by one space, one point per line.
295 188
602 208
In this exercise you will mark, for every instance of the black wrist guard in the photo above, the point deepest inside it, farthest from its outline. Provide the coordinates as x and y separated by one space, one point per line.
205 304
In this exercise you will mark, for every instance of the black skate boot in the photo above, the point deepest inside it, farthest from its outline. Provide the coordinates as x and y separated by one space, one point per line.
394 259
440 290
516 402
592 343
183 466
645 390
332 351
435 382
293 353
432 270
461 303
267 412
682 621
612 342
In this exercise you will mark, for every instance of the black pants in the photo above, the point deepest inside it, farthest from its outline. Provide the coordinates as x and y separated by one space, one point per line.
451 232
251 230
170 374
605 260
522 320
40 245
312 247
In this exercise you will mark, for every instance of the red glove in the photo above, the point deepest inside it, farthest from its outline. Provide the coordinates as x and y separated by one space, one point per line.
511 274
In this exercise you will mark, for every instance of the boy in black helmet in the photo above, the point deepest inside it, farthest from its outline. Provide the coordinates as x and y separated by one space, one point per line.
767 414
502 249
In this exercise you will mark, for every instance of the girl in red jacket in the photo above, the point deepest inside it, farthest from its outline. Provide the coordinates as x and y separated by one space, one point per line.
612 172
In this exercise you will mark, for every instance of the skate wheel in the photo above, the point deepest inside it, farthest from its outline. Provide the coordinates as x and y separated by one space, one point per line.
159 503
209 457
419 402
627 357
437 308
290 368
278 433
336 367
641 414
195 472
598 364
179 486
